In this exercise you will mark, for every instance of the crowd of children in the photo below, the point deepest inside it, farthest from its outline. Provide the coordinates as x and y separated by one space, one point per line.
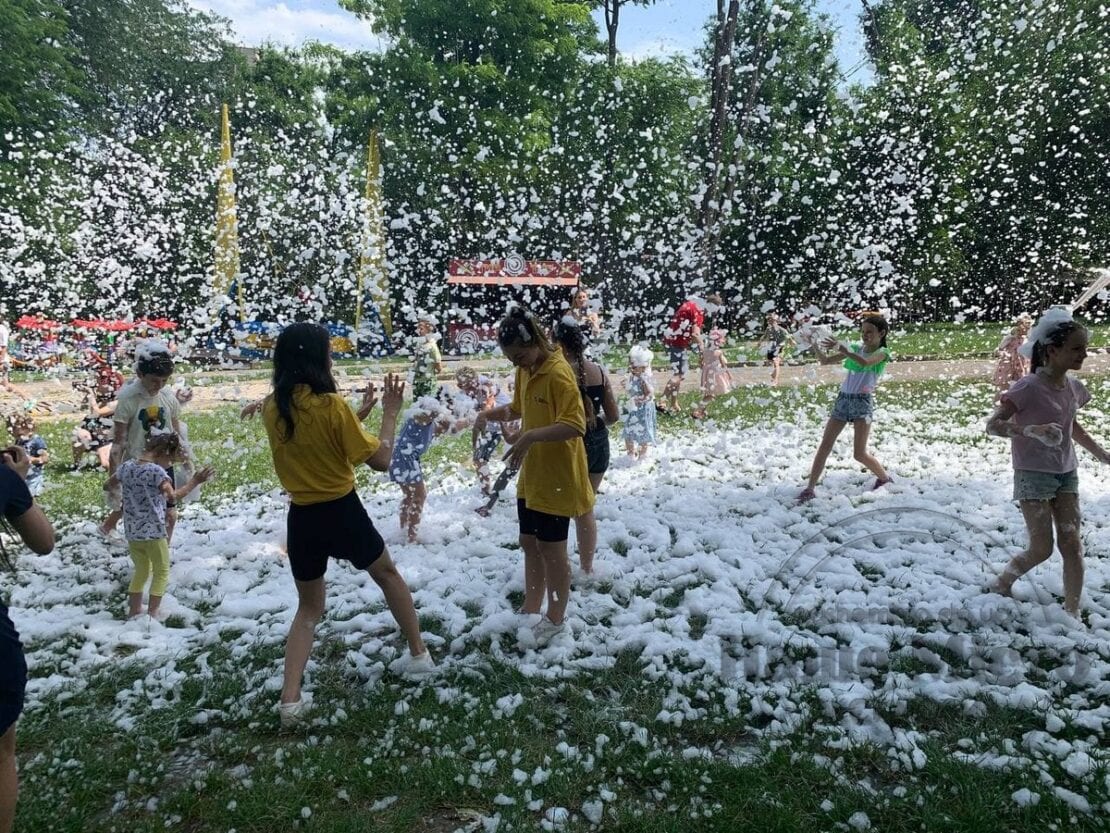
555 420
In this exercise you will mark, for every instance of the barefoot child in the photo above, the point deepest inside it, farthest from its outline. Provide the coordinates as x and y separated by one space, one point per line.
639 414
481 393
716 379
427 418
1012 362
865 363
775 338
147 491
145 406
22 428
427 362
1038 414
553 485
316 440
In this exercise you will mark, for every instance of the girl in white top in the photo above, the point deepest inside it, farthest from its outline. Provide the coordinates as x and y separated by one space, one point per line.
865 364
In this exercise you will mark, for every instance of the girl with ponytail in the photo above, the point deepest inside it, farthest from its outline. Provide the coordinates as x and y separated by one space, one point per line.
1038 415
600 405
553 485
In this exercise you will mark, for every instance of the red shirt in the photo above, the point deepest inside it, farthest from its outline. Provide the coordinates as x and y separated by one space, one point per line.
680 332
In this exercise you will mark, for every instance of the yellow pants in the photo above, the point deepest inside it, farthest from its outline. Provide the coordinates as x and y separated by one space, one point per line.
150 556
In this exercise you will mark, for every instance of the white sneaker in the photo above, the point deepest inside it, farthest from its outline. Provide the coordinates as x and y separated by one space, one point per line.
547 630
292 714
414 668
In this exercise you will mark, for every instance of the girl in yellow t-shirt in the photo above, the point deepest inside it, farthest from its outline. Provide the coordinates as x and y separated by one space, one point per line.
316 440
554 484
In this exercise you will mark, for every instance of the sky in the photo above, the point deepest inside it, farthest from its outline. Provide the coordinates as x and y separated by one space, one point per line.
668 26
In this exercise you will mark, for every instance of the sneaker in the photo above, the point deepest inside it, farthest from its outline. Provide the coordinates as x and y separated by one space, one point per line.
412 667
547 630
880 483
806 495
292 714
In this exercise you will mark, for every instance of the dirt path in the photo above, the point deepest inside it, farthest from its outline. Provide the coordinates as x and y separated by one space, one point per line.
216 388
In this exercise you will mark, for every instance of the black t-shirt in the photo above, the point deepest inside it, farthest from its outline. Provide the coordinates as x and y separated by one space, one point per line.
15 498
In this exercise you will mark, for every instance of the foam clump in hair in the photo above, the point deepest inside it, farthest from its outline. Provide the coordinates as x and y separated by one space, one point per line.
639 356
426 406
1050 321
149 348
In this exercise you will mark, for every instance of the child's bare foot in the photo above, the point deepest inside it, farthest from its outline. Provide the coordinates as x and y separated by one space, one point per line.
1001 588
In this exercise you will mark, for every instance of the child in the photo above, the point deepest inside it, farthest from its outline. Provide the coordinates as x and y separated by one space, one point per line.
553 485
716 379
145 406
865 364
316 440
427 363
22 429
95 431
601 411
775 338
148 492
425 419
639 415
478 393
1012 364
1038 414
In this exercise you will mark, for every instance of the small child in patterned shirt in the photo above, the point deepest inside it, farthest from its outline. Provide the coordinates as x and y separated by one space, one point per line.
146 487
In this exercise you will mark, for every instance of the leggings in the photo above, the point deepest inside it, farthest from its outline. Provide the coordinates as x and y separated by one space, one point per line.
150 556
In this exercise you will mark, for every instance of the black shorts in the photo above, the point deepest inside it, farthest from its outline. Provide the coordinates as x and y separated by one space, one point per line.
171 503
547 528
597 450
13 673
333 529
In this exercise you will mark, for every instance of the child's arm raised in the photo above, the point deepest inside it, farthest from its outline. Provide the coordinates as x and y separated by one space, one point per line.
393 395
202 476
822 356
1001 425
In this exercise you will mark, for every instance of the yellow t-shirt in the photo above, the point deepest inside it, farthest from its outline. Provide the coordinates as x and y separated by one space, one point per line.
554 478
328 442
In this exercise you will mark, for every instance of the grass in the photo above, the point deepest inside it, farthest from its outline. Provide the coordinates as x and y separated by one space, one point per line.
204 753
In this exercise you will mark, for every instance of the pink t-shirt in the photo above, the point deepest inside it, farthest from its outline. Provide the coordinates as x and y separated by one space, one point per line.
1037 403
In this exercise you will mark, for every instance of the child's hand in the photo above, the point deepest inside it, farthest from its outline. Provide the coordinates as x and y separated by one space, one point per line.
393 394
1050 434
204 475
184 395
514 457
250 410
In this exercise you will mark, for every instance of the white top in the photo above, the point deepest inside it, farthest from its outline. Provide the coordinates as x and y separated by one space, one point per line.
144 414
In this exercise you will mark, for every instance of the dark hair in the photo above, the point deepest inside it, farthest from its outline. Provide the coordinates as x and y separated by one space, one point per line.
301 357
520 327
1055 338
570 337
167 443
879 323
157 364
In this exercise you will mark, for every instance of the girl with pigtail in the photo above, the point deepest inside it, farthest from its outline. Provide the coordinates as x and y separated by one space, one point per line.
600 405
1038 415
553 485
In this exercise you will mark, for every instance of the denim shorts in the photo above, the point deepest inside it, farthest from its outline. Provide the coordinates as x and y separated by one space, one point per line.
597 450
1043 485
680 364
850 407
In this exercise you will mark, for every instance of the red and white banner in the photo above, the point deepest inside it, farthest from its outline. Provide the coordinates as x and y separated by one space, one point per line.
514 271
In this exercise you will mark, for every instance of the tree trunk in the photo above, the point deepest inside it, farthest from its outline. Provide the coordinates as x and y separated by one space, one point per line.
721 80
612 23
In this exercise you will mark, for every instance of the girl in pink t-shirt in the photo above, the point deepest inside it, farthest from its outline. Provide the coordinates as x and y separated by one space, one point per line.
1038 414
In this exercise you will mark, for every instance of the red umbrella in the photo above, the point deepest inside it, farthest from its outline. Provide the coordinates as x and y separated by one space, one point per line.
36 322
161 323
